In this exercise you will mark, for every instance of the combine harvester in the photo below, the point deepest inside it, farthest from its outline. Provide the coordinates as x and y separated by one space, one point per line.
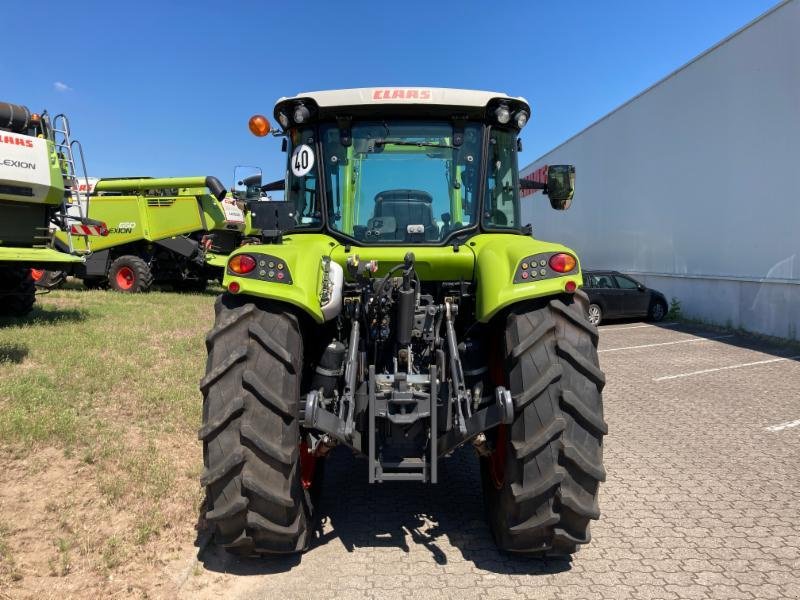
397 306
39 192
176 230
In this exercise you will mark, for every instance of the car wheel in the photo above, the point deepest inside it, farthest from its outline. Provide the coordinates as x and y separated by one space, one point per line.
658 310
595 314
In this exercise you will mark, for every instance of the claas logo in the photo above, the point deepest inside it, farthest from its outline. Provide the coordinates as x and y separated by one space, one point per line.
16 141
401 94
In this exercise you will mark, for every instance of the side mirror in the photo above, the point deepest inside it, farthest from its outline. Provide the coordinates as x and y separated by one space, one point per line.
560 186
246 182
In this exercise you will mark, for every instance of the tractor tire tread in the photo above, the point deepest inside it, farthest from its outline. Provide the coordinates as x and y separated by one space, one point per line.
576 317
553 464
255 499
583 412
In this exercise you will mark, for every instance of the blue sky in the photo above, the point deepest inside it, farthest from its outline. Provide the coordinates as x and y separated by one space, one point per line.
166 88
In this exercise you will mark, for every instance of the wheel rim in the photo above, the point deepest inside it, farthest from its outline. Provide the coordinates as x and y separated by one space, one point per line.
37 274
594 315
658 311
308 464
125 278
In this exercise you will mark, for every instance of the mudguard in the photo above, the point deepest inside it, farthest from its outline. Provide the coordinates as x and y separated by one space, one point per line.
498 260
300 259
495 258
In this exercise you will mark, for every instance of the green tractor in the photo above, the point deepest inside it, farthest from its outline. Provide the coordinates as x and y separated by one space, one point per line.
398 306
39 193
174 230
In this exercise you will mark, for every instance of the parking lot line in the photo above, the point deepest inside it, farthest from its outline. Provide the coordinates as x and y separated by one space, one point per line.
698 339
782 426
750 364
607 328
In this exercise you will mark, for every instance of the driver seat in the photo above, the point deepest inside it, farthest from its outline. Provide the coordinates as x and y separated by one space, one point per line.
408 207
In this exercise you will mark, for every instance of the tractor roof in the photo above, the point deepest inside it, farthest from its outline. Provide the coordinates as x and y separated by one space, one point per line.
375 100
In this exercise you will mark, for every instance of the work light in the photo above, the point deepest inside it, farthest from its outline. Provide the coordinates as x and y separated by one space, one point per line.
301 114
502 114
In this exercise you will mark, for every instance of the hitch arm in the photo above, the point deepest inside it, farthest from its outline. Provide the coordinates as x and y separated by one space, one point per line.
347 406
456 370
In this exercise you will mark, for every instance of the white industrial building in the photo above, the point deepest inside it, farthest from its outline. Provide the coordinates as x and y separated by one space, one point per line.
693 186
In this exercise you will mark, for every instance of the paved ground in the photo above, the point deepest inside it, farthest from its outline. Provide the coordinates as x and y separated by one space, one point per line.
702 498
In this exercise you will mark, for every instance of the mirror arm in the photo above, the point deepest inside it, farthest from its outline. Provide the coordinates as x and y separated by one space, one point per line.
527 184
273 186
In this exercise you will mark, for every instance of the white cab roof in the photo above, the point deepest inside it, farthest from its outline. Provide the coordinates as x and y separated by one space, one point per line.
402 95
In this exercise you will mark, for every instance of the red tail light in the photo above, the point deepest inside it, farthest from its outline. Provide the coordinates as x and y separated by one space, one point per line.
562 262
242 264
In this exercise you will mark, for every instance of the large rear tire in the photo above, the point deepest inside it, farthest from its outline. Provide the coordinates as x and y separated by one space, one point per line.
257 502
17 291
541 482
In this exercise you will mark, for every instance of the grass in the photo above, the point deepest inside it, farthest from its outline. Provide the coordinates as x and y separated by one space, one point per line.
8 565
116 360
107 384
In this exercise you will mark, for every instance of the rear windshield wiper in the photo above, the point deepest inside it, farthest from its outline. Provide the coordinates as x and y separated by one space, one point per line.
383 142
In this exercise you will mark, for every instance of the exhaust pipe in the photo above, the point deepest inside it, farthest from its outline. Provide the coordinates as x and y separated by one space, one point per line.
216 188
14 117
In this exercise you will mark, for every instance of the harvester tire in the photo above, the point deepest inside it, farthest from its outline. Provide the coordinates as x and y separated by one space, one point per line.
130 274
48 280
541 482
17 292
256 500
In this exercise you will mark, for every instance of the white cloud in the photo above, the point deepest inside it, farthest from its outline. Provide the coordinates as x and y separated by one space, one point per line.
60 86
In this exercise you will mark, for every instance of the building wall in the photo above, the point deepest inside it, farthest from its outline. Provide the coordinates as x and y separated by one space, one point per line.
695 183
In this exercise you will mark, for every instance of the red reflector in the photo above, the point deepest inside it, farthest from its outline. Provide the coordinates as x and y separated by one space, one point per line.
233 288
570 286
242 263
37 274
79 229
562 263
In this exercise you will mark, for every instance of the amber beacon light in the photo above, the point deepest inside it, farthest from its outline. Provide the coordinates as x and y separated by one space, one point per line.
259 125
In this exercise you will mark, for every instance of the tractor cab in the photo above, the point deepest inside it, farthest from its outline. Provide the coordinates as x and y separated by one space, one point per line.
419 166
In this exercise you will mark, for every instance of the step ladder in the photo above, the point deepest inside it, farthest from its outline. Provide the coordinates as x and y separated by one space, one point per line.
75 204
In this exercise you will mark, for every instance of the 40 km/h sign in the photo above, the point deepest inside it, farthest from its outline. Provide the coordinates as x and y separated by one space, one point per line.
302 160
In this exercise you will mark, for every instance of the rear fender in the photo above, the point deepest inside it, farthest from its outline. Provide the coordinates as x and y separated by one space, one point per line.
299 259
498 261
